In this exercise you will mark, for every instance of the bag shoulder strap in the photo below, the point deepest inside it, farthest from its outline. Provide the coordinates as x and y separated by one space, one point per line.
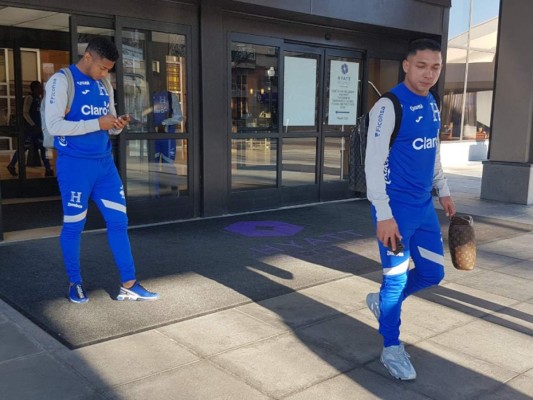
70 86
170 110
397 113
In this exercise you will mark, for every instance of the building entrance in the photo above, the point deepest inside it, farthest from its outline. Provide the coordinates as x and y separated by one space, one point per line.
33 46
292 108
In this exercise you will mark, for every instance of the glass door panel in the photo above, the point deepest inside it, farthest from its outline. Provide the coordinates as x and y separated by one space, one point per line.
155 96
301 91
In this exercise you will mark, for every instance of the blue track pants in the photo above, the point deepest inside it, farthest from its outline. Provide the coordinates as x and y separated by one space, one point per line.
83 178
422 239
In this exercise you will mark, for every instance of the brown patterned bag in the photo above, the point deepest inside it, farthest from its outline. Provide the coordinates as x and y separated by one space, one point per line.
462 242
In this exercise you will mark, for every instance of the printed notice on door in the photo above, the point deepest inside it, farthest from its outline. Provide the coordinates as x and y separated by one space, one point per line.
343 78
299 101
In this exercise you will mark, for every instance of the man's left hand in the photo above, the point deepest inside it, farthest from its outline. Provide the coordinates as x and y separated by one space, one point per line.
448 206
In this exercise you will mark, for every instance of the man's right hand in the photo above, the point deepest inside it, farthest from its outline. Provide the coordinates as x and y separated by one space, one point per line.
107 122
388 233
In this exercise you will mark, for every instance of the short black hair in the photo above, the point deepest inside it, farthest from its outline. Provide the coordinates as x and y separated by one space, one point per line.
103 47
421 45
34 85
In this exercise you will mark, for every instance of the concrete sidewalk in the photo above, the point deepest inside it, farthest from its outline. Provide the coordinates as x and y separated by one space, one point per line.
471 338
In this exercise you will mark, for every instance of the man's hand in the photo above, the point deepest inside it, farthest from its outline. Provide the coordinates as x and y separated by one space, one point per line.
107 122
388 233
448 206
121 122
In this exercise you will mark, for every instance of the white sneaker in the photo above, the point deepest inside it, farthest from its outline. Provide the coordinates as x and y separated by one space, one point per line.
372 301
396 360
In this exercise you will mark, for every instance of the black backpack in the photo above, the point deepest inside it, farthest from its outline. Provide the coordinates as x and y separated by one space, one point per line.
358 138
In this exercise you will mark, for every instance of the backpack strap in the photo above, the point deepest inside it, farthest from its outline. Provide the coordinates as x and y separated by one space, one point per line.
397 113
70 87
170 110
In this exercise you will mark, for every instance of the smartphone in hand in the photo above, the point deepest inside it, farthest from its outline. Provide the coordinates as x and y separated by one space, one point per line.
399 247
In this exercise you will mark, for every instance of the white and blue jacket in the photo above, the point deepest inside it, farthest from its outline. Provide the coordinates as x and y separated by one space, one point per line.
77 131
408 172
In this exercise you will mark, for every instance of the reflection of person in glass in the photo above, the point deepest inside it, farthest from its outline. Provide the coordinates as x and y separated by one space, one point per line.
33 134
167 114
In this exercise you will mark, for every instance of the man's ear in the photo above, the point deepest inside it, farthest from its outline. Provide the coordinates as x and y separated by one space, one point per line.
405 65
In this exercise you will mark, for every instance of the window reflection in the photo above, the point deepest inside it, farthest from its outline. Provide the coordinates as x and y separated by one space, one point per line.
470 62
253 163
335 159
254 88
146 179
136 101
155 95
299 161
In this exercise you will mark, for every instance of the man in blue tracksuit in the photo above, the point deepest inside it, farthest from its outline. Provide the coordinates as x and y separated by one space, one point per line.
399 186
166 116
85 167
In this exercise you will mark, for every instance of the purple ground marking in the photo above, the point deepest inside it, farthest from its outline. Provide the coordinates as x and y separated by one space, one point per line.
264 228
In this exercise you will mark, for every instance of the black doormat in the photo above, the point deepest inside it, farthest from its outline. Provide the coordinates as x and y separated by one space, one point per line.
198 267
42 214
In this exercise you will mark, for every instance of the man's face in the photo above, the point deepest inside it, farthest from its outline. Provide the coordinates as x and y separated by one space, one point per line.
98 67
422 70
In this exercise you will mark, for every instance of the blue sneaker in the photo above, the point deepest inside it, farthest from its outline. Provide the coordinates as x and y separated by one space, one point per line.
77 294
136 292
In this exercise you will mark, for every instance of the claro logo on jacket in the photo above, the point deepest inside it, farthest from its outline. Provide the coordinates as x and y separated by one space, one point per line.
92 110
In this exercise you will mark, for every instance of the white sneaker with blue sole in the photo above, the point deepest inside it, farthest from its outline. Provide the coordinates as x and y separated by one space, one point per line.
136 292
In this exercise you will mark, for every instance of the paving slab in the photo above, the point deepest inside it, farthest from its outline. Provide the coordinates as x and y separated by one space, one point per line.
282 365
500 284
198 381
444 373
519 388
359 384
489 260
129 358
42 377
491 342
453 275
517 247
518 317
430 317
344 295
15 343
290 310
468 300
346 336
523 269
218 332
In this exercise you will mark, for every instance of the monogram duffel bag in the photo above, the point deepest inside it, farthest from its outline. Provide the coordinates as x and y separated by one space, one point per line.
462 242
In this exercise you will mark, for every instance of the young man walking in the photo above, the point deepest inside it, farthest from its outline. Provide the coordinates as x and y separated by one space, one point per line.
400 180
85 166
